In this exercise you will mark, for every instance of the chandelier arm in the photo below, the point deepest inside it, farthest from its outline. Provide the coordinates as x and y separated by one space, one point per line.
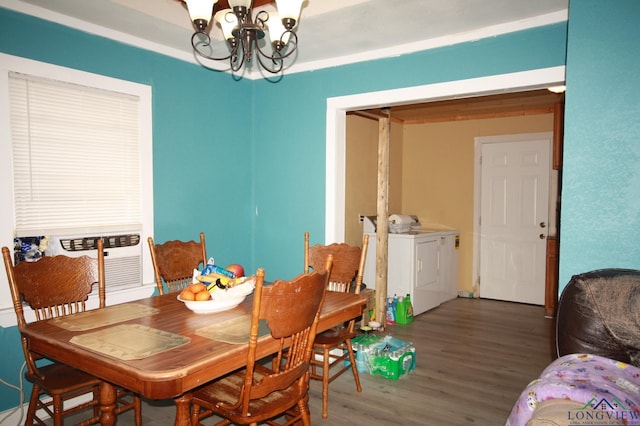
233 60
261 18
275 60
207 42
292 46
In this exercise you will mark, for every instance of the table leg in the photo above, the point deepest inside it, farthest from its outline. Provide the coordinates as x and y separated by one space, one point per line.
183 410
107 404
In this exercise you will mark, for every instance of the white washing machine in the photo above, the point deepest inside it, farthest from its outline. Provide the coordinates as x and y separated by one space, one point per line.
421 262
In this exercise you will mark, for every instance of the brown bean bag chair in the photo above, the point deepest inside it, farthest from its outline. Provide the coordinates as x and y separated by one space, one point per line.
599 313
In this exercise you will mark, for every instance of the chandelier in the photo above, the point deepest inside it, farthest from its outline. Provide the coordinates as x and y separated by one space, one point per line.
243 32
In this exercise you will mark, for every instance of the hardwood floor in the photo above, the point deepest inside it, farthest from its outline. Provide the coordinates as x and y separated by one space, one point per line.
474 357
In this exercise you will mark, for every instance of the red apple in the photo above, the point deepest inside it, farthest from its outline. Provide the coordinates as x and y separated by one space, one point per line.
237 270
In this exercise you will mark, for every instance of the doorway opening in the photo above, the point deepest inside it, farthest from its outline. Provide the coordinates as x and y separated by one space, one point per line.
338 107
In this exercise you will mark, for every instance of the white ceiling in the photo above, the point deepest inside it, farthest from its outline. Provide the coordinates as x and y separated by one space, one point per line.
331 32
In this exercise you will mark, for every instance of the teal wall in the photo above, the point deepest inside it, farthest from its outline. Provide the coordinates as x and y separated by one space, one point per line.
290 181
201 152
600 218
244 161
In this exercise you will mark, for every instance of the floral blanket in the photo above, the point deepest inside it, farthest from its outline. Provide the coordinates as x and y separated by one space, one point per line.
607 391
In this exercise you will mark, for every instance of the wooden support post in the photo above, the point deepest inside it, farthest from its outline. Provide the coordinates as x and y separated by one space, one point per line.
382 231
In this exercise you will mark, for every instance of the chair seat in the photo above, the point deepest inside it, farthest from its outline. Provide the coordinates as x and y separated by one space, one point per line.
61 383
226 392
333 337
60 379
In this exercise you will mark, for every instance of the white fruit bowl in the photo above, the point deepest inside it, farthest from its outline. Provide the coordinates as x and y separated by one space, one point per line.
221 300
211 306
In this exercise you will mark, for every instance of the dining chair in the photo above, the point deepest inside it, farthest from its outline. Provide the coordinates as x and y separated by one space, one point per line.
174 262
56 286
333 352
256 394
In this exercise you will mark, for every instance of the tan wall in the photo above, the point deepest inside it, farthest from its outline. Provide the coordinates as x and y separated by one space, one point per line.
362 173
433 179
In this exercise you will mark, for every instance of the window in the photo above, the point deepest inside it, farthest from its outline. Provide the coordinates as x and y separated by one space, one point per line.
75 156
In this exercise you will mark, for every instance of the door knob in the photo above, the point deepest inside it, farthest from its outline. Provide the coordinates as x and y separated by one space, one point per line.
543 225
542 237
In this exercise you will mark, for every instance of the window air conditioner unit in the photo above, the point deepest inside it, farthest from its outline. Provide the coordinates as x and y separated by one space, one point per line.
122 255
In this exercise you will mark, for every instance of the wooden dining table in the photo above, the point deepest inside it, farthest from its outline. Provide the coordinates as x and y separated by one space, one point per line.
158 348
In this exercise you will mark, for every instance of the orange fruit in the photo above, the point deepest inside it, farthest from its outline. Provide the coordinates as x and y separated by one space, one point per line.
203 295
197 287
186 294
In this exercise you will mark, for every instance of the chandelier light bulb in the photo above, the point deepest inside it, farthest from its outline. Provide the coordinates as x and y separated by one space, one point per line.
227 21
240 3
277 32
289 11
200 12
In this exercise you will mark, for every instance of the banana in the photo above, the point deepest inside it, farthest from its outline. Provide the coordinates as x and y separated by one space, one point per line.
218 284
224 281
237 281
215 280
211 278
205 278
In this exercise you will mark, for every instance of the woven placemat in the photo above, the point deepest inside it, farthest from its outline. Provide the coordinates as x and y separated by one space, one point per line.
234 330
130 341
102 317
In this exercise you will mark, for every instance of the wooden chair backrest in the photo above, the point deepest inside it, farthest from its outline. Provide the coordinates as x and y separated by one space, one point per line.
174 262
348 262
53 286
291 310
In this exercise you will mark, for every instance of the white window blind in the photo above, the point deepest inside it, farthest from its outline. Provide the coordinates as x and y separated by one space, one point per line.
76 157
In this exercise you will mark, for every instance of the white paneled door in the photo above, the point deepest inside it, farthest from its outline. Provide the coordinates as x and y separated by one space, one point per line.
514 217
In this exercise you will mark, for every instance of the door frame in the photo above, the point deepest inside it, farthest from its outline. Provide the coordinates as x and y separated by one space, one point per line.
337 108
477 191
